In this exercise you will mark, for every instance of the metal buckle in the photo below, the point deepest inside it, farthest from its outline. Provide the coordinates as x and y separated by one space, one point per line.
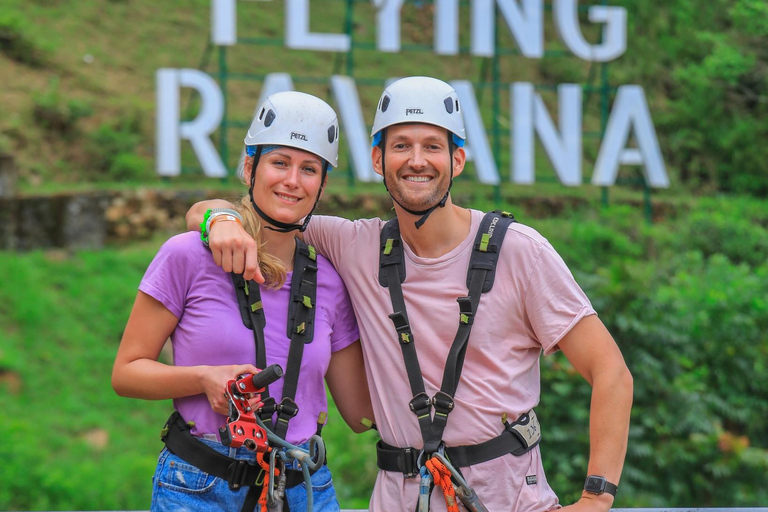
420 404
287 407
443 402
236 473
407 462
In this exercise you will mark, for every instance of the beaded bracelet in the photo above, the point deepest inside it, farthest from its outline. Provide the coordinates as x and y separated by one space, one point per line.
213 215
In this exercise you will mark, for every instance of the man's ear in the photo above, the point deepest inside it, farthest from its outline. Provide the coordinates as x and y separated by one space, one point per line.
376 159
459 159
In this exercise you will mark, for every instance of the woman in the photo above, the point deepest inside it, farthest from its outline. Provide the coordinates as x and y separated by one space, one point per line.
184 295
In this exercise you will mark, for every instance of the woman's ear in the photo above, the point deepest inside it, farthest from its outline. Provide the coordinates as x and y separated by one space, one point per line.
247 166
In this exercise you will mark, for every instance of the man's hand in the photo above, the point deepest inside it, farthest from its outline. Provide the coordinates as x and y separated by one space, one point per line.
591 503
234 250
232 247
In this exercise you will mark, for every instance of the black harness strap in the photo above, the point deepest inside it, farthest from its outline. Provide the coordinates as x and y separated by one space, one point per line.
480 276
301 319
301 329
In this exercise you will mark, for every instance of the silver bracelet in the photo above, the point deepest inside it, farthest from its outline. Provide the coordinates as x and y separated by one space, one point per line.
217 212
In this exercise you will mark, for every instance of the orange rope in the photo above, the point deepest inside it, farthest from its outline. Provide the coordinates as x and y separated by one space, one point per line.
265 485
442 478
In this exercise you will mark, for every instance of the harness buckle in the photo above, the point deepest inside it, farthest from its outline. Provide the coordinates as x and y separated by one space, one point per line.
287 407
237 473
420 404
401 326
466 311
443 403
407 462
268 408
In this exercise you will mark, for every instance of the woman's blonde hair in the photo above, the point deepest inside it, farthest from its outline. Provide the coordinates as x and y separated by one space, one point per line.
271 267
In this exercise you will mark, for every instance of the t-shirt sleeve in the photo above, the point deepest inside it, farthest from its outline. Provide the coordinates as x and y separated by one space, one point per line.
554 302
345 330
169 277
331 236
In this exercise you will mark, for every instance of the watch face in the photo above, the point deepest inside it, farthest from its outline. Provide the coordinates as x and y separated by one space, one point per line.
595 484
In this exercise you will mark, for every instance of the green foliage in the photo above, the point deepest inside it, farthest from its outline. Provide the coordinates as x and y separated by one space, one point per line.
113 150
18 40
713 59
57 114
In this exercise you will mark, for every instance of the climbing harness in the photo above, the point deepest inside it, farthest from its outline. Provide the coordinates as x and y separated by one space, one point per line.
441 461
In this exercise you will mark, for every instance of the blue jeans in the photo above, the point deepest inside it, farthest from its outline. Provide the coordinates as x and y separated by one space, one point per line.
180 486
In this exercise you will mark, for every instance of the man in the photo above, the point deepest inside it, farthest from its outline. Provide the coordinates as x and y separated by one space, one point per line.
533 305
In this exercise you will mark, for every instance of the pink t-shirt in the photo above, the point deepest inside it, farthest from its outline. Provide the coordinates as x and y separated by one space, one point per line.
533 304
185 279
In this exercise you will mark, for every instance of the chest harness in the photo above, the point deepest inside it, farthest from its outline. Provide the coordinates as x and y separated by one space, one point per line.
517 438
301 317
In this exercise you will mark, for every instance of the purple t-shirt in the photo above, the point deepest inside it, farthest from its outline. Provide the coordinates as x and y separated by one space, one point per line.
185 279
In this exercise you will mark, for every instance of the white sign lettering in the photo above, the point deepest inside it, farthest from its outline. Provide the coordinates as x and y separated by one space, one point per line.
562 141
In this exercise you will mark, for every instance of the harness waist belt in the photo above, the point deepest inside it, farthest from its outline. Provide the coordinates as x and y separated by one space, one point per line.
518 438
237 473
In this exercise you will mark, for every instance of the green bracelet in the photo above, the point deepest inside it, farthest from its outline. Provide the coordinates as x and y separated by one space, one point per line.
203 232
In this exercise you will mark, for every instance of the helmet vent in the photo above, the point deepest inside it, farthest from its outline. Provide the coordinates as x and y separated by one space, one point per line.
270 118
331 134
384 103
457 105
448 105
261 115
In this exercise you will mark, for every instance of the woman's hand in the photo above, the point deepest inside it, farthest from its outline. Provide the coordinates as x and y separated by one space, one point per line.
214 382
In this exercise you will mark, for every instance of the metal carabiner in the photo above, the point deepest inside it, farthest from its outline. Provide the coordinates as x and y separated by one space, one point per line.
464 492
275 496
425 489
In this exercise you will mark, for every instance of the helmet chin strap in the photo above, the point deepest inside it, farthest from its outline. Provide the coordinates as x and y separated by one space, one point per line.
276 225
424 213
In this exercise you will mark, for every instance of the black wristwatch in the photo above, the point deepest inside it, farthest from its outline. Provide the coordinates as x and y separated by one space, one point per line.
599 485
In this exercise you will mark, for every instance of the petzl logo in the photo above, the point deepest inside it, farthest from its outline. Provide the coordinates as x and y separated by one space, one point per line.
299 136
411 111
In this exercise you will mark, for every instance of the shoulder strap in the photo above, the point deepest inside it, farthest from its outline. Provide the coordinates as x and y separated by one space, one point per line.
485 252
391 253
301 321
391 275
300 329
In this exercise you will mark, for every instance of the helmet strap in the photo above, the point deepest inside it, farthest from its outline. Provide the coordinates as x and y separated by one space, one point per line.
276 225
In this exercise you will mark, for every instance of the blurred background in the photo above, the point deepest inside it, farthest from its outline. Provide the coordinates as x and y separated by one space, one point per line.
677 273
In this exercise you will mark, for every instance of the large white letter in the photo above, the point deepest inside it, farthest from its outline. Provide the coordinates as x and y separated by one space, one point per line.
478 147
197 131
614 32
630 110
354 128
526 24
447 27
298 36
388 25
564 150
223 22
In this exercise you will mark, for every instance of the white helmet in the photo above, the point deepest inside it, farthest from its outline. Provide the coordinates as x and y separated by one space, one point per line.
297 120
420 99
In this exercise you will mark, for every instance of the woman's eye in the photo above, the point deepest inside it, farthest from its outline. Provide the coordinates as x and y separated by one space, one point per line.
310 170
